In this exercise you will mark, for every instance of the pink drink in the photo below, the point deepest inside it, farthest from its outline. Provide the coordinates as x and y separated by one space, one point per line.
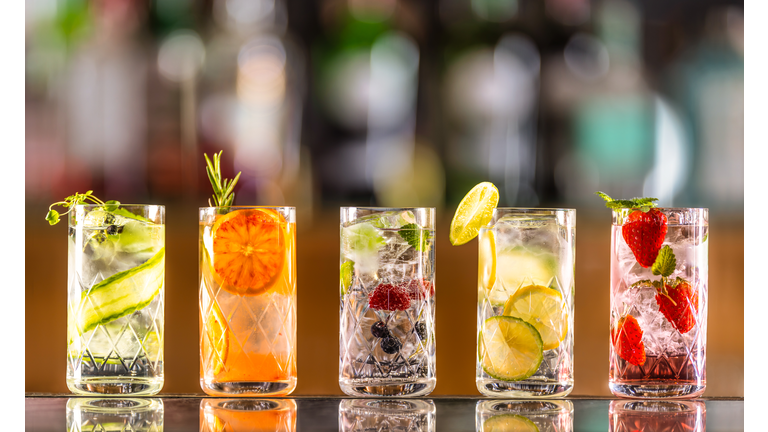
670 360
657 416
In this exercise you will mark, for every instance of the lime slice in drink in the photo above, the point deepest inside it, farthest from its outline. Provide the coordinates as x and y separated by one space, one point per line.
519 266
543 308
509 348
474 211
345 276
509 423
121 294
361 243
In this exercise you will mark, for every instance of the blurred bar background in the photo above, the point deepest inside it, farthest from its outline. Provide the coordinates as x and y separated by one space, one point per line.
389 103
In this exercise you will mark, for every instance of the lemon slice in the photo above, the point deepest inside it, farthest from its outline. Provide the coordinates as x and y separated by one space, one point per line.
509 348
509 423
474 211
543 308
487 260
521 266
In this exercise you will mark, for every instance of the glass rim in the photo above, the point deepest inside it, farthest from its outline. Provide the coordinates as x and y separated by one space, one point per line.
532 209
121 205
241 207
666 208
386 208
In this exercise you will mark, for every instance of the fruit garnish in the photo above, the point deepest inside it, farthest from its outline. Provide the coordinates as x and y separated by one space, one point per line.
474 212
542 307
537 266
121 294
509 423
379 329
415 236
509 348
346 272
223 189
627 338
487 255
391 345
249 249
680 305
71 201
389 297
218 338
419 289
644 229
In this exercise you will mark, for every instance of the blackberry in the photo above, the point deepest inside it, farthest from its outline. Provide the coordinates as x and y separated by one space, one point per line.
390 345
380 330
112 230
421 330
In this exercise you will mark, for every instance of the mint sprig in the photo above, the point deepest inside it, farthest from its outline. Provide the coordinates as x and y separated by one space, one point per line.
643 204
665 262
415 236
223 189
71 201
345 276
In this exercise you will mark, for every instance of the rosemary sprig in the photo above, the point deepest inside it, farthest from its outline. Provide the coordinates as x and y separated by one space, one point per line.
223 190
71 201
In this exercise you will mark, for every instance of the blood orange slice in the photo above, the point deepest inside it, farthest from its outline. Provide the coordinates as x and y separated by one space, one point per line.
249 248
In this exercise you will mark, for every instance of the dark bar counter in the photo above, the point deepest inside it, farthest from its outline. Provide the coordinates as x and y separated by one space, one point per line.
46 412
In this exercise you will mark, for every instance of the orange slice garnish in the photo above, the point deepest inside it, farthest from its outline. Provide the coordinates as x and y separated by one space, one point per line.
249 250
218 336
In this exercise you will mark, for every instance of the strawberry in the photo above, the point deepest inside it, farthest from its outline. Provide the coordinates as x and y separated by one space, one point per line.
680 305
419 289
389 297
644 233
627 338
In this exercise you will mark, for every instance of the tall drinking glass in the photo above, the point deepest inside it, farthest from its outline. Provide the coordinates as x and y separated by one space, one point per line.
387 283
525 303
659 323
657 415
135 414
247 300
388 415
115 299
524 415
236 415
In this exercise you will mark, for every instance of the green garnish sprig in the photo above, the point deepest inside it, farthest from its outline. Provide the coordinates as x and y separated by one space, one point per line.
415 236
223 189
642 204
71 201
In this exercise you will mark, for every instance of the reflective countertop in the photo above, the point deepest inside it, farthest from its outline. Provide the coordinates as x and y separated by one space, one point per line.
194 412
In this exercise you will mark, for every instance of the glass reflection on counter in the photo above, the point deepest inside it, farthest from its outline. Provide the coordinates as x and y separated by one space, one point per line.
657 416
104 415
524 415
236 415
357 415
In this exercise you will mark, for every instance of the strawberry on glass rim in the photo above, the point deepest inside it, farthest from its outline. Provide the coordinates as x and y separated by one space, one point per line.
644 229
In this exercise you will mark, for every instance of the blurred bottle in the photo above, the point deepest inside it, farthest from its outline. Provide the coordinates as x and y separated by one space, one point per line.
253 101
707 81
367 67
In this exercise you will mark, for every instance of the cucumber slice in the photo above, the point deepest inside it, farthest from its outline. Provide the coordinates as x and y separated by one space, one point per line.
122 293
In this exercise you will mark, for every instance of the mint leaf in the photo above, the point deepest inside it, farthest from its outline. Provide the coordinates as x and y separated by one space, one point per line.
345 276
415 236
125 213
52 217
665 262
643 204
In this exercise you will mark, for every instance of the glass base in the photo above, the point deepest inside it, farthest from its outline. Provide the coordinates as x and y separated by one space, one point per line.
523 389
115 386
654 390
248 388
387 388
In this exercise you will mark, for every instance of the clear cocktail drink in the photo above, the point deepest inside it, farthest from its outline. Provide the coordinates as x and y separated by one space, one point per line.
115 299
387 283
115 415
524 415
659 303
390 415
525 303
247 300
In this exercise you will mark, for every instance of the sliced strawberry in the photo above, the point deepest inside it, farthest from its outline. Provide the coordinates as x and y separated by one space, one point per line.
627 338
680 305
389 297
419 289
644 234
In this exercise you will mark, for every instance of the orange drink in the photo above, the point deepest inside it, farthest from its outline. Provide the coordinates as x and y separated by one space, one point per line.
247 273
234 415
